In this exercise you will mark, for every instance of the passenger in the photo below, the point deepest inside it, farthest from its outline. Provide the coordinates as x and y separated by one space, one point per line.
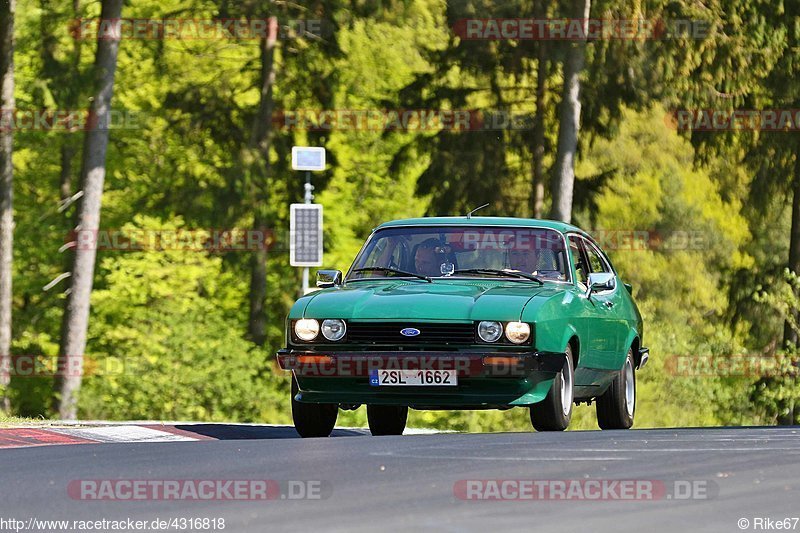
523 260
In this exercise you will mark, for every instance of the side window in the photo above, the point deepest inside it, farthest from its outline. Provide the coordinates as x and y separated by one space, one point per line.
596 262
576 251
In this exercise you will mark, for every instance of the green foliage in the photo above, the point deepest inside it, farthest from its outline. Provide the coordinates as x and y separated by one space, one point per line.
162 344
688 237
778 394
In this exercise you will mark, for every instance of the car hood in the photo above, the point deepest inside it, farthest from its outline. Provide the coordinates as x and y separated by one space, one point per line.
419 300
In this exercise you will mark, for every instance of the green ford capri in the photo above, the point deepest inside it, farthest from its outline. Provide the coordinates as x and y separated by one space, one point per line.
466 313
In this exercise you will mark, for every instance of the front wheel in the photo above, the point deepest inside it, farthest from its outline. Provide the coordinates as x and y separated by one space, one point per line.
387 419
312 419
555 411
615 408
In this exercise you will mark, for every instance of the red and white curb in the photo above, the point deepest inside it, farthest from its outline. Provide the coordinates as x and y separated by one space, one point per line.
20 437
96 432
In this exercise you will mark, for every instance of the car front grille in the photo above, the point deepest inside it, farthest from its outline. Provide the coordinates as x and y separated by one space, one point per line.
429 333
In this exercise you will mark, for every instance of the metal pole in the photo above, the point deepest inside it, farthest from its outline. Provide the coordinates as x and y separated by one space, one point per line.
308 198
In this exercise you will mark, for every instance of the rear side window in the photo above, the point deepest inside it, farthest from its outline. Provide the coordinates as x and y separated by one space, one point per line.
576 251
596 262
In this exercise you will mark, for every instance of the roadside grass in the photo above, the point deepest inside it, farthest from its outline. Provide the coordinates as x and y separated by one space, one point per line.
16 421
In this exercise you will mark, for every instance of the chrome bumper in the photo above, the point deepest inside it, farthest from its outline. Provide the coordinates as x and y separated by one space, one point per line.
644 355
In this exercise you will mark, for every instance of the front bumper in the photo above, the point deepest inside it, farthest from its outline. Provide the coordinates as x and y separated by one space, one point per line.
644 355
485 379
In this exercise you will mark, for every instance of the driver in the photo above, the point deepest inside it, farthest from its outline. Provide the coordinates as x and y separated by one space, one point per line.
427 260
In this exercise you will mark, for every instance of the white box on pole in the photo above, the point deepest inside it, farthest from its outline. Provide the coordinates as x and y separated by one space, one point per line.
310 158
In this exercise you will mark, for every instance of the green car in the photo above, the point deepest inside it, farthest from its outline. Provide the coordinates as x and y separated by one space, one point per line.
466 313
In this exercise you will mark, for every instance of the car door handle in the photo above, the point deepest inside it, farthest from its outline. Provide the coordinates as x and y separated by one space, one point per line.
608 304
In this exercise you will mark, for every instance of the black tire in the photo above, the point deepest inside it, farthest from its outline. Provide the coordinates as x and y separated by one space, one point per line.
313 419
614 411
555 411
387 419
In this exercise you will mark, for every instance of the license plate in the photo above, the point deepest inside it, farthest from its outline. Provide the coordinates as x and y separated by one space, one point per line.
415 378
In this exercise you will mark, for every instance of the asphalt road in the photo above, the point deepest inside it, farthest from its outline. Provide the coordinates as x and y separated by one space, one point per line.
407 483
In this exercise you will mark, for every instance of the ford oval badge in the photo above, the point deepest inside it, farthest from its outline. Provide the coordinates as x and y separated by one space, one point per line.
410 332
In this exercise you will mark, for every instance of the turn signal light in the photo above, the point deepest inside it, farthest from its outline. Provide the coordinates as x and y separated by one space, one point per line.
501 361
314 359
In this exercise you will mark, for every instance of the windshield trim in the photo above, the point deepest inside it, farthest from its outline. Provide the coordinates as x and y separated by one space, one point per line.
563 237
461 278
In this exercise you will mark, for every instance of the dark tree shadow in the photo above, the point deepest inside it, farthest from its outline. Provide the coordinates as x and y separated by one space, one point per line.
246 432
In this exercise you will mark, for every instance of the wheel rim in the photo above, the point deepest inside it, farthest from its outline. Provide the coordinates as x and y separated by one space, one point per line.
630 388
566 389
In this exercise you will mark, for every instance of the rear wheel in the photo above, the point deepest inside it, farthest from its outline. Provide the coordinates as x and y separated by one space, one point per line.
387 419
312 419
616 407
555 411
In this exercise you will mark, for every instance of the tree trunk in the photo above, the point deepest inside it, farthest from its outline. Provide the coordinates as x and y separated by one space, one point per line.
7 8
537 189
68 147
76 313
257 324
569 122
62 77
789 335
260 142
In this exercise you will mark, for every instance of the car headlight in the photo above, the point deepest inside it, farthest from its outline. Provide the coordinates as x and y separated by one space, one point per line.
333 329
518 332
490 331
306 329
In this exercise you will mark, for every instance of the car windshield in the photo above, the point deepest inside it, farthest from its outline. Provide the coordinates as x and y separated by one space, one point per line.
455 251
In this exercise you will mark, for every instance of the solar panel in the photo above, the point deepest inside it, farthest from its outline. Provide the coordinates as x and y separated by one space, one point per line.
305 235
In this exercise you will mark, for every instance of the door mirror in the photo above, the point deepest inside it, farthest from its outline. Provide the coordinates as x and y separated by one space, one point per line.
329 278
599 281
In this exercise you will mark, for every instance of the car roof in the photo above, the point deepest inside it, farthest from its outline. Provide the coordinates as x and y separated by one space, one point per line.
563 227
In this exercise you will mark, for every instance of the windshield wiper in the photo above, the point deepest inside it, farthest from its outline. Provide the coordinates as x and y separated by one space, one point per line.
496 272
394 271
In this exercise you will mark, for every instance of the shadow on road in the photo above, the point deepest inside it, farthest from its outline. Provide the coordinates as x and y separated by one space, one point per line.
247 432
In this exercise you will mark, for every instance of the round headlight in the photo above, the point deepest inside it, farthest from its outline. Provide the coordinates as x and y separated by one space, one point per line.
306 329
333 329
489 331
518 332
